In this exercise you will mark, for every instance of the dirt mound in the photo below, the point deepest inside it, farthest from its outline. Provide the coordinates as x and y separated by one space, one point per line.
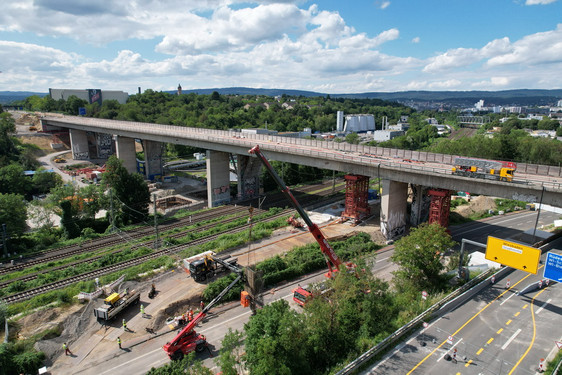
174 309
476 205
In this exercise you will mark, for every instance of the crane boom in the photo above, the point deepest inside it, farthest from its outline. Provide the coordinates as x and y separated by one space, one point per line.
332 260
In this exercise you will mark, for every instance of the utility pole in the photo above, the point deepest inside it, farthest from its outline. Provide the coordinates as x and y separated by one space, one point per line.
112 213
157 241
334 181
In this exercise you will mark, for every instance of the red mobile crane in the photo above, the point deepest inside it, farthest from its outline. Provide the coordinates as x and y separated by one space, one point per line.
332 260
188 340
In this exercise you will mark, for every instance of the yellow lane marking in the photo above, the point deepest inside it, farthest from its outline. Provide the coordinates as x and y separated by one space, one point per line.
499 331
490 340
517 313
534 333
508 322
465 324
525 305
479 351
468 363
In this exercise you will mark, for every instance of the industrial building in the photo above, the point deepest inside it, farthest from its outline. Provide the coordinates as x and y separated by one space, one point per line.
90 95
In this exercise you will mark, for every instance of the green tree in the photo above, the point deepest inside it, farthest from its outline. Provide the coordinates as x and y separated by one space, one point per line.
230 357
419 257
8 148
352 138
13 213
73 103
12 179
44 181
274 338
130 190
68 221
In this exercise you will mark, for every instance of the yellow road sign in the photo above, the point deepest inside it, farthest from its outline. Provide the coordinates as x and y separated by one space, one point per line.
513 254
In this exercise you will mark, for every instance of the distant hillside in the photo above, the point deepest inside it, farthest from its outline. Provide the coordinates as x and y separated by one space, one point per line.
459 98
7 97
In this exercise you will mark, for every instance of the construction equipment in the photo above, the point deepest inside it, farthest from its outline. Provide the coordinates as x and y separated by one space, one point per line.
188 340
332 260
485 169
60 160
208 264
116 303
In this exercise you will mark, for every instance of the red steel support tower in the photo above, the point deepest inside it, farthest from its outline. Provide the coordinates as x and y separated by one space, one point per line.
439 207
356 197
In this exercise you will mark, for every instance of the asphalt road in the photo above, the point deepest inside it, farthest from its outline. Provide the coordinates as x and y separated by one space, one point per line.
142 356
497 331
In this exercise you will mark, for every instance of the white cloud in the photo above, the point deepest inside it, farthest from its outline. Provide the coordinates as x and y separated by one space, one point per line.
384 4
416 39
539 2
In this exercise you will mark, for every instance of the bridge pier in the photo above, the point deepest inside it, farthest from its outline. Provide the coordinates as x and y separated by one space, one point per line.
79 144
248 177
153 159
126 152
420 205
393 209
218 178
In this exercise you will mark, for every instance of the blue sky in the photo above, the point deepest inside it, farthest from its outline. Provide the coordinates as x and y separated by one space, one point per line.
326 46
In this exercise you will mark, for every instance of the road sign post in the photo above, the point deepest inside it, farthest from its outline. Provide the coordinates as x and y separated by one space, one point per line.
513 254
553 267
424 294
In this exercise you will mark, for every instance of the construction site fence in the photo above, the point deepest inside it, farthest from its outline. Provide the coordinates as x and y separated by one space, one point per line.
451 301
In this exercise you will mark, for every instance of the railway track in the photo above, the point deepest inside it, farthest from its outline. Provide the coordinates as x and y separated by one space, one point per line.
17 297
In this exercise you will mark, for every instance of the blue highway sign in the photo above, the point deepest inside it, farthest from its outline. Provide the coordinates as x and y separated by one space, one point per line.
553 267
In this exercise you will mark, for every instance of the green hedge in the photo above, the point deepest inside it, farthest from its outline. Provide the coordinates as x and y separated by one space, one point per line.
297 262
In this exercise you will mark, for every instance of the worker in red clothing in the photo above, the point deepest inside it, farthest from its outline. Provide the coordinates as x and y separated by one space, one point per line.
190 316
201 305
454 355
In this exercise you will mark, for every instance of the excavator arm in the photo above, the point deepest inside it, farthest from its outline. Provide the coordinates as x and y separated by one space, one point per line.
332 260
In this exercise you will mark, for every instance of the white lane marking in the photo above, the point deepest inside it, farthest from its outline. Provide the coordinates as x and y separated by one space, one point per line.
511 339
505 300
543 305
132 360
441 356
399 347
380 260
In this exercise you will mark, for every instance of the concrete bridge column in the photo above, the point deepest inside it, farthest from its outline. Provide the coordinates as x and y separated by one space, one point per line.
79 144
104 145
126 152
218 178
248 177
153 159
393 209
420 205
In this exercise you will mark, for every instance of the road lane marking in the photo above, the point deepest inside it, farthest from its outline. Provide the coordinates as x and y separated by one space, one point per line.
479 351
380 260
464 325
468 363
517 313
511 339
534 333
524 307
458 342
507 299
508 322
490 341
495 223
499 331
132 360
543 305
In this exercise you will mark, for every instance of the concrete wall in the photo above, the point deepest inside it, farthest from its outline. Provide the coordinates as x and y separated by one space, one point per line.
79 144
393 209
218 178
126 152
153 159
248 177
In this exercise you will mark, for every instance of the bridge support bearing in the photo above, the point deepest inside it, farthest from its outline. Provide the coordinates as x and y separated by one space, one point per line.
440 206
218 178
356 197
393 209
248 177
420 205
153 160
79 144
126 152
